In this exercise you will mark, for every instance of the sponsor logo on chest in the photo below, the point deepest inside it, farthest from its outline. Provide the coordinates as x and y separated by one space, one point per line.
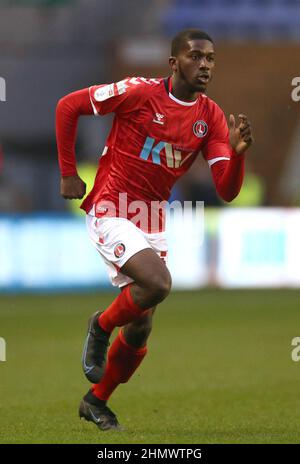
174 158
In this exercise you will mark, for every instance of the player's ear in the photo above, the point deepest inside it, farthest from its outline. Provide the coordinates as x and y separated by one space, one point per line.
173 63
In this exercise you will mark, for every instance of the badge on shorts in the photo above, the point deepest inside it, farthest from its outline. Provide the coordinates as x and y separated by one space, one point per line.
119 250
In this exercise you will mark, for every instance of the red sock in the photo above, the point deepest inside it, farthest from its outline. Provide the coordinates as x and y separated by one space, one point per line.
122 311
122 362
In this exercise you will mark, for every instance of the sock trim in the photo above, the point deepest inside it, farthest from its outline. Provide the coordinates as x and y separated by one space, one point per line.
130 298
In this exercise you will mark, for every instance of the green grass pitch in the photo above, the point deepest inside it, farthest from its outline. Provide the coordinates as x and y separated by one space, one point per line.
218 370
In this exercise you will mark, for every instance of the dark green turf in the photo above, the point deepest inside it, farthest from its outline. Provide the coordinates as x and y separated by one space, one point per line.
219 370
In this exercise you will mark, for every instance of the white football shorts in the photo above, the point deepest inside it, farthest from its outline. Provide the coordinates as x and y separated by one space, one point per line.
118 239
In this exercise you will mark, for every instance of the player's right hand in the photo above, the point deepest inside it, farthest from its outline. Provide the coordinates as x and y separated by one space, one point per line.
72 187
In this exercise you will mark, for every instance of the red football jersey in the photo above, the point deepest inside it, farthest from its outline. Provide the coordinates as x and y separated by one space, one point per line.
153 141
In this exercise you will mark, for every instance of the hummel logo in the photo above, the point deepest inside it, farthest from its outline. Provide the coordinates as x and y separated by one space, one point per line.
158 118
101 209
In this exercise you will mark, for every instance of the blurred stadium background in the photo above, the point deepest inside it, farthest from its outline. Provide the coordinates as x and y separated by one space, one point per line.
52 47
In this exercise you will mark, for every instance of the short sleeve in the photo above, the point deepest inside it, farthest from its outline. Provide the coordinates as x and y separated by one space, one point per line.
122 97
217 146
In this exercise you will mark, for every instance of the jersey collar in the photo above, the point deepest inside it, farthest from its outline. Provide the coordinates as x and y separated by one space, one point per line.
167 83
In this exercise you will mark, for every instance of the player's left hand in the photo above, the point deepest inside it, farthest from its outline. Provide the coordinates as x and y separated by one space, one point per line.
240 136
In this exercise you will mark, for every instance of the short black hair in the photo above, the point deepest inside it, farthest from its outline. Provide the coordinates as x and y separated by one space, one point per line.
180 40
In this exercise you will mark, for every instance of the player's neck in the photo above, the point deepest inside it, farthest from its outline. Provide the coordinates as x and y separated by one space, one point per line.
179 90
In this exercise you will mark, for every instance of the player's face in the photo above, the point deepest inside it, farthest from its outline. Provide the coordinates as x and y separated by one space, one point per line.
195 64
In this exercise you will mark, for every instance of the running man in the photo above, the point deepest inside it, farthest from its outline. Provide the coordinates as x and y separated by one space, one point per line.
160 126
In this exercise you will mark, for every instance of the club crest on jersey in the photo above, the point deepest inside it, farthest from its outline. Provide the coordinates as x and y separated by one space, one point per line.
200 128
159 118
119 250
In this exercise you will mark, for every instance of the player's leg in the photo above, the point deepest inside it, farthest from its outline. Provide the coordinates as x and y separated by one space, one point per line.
124 247
151 285
129 348
125 355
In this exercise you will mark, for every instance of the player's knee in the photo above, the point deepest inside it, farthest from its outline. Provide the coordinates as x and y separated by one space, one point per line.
160 286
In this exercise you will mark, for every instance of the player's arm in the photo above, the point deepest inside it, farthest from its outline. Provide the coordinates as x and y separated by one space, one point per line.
122 97
228 175
68 110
